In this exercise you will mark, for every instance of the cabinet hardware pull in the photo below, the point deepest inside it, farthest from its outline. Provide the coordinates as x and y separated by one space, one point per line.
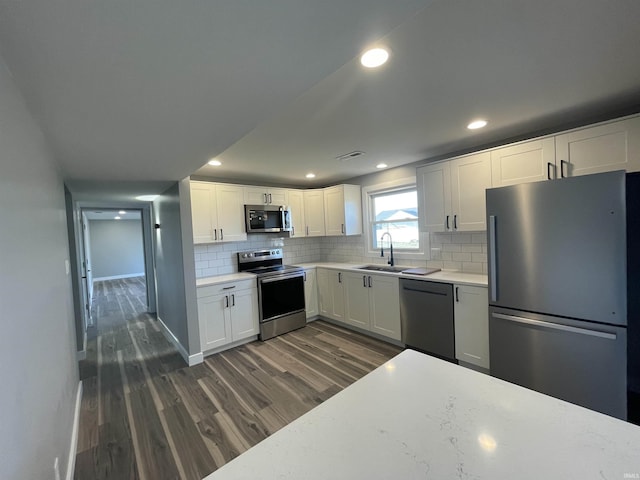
221 235
562 164
339 277
233 299
305 276
226 301
270 200
342 228
229 288
457 295
293 231
447 221
215 234
307 231
549 166
369 281
455 222
265 197
364 281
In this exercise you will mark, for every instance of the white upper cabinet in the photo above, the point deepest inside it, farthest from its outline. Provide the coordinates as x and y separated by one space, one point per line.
265 196
296 207
451 194
523 162
314 213
602 148
343 210
217 212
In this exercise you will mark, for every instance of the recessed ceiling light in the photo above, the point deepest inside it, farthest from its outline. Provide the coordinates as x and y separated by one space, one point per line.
310 175
214 163
146 198
122 212
117 218
382 165
477 124
374 57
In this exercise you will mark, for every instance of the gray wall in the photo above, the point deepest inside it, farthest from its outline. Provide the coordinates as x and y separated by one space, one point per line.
116 248
175 277
38 370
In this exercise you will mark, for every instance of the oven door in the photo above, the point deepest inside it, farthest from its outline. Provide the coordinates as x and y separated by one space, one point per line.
280 295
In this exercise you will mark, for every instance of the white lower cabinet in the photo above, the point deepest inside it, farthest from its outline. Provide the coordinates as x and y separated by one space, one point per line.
471 318
310 293
369 302
227 313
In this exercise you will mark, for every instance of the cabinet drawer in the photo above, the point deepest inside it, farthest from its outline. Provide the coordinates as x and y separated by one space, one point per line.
230 287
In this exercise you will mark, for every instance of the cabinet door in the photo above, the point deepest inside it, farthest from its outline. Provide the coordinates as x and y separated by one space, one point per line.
434 197
202 212
278 196
230 207
334 211
522 163
325 300
310 293
336 289
470 177
384 301
314 213
356 294
604 148
244 313
255 195
296 205
471 318
215 322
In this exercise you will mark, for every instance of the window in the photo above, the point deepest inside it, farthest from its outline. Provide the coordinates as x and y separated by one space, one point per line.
395 212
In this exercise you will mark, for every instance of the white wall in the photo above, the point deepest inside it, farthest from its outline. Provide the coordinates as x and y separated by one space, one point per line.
38 370
116 248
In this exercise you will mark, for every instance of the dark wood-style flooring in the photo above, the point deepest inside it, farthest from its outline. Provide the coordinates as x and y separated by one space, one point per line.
146 415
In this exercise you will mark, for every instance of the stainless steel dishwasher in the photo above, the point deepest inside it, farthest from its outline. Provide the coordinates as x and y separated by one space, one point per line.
426 313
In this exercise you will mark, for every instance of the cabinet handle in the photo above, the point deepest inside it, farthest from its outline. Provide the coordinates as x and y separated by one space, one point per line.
364 281
307 231
457 295
369 281
229 288
226 301
305 276
549 166
233 299
221 235
455 222
447 222
339 277
215 234
562 164
342 228
293 231
270 200
265 197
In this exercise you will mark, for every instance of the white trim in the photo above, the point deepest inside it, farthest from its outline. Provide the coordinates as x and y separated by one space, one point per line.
423 253
116 277
191 360
73 449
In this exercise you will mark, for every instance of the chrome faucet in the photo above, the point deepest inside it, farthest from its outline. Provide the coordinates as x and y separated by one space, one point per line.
390 262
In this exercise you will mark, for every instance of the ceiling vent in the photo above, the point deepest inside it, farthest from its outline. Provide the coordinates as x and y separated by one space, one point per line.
350 156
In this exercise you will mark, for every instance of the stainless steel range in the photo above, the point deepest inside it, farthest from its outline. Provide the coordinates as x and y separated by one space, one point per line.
280 291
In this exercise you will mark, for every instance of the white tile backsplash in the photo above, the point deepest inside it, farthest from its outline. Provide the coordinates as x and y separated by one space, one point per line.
466 252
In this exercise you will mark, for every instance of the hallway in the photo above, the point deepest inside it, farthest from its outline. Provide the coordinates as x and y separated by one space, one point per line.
146 415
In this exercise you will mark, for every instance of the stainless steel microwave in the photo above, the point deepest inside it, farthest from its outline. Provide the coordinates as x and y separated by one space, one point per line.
267 218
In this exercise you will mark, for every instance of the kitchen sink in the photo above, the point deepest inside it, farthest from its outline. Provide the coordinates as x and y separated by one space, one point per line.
383 268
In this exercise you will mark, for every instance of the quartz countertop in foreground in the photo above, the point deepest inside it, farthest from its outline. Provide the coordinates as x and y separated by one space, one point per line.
417 417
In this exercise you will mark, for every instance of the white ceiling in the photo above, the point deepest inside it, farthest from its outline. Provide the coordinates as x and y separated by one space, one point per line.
129 93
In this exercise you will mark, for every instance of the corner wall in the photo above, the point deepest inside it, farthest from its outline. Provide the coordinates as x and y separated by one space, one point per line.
38 368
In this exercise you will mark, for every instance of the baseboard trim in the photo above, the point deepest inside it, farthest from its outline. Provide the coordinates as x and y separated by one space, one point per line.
73 449
190 359
117 277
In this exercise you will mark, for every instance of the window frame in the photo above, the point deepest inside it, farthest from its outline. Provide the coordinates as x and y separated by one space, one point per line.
370 191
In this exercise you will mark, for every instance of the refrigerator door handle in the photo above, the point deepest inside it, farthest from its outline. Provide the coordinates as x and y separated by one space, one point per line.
555 326
493 275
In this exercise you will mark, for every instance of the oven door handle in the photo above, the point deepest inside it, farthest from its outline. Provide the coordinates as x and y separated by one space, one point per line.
277 278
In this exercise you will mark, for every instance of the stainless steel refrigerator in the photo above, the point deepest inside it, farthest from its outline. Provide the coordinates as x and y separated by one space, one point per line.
558 288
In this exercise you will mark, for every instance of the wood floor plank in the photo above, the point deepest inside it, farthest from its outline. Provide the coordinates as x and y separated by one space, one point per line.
194 398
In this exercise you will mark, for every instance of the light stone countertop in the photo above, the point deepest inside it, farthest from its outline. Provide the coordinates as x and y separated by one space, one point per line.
444 276
231 277
418 417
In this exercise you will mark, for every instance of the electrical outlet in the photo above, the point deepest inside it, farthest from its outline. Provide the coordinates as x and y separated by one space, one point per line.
56 468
